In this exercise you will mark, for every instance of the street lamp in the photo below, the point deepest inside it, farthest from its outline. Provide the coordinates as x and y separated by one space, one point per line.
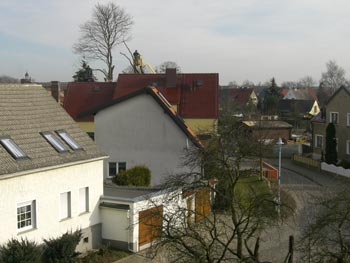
279 143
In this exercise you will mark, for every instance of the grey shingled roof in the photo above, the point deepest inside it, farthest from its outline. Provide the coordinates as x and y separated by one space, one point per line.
27 110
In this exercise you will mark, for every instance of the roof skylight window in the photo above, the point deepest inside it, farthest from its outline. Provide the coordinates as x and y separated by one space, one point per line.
69 140
12 148
54 141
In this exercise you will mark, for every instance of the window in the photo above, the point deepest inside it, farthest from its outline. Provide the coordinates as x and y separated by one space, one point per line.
115 168
348 147
54 141
348 119
65 205
12 148
318 141
26 215
84 200
69 140
333 117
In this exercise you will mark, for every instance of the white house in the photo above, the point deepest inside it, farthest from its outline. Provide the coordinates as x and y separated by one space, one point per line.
133 218
51 173
142 128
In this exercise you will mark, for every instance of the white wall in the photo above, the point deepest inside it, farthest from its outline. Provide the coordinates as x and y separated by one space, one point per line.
138 132
115 224
123 226
45 188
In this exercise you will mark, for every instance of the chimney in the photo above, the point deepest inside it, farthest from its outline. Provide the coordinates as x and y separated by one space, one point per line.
170 75
55 90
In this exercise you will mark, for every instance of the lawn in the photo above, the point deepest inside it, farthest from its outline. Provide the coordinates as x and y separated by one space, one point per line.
251 188
103 255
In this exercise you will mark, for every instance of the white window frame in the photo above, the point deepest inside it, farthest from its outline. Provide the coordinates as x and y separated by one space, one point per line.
116 168
348 147
32 219
316 145
331 119
84 200
10 145
65 206
53 140
348 119
69 140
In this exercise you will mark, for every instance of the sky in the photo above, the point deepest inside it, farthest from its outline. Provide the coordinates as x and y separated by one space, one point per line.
239 39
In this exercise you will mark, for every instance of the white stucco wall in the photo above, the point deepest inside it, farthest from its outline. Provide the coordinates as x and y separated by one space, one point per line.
138 132
116 224
122 225
45 188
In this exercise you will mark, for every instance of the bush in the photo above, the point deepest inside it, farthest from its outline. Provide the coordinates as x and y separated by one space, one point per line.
136 176
345 164
20 251
62 249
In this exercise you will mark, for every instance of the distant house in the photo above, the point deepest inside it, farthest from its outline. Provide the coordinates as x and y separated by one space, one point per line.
238 100
301 94
337 111
83 96
289 109
51 172
193 96
142 128
269 130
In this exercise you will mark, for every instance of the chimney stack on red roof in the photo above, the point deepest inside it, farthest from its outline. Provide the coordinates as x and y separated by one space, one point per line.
170 74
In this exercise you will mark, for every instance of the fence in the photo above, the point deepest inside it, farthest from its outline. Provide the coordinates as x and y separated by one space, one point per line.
311 163
335 169
270 172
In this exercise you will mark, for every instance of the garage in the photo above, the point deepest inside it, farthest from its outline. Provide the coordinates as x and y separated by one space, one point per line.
202 203
150 225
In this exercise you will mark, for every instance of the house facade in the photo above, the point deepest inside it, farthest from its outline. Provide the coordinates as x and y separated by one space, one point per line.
194 96
337 111
238 100
142 128
51 172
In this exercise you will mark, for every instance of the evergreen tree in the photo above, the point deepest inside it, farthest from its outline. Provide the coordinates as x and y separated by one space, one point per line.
331 155
84 74
272 97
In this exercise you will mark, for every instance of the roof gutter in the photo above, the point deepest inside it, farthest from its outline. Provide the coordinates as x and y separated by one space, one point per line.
54 167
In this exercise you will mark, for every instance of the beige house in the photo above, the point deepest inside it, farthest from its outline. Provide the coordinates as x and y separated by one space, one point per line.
337 110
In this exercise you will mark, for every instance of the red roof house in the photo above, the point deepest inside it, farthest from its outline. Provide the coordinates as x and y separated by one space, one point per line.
195 95
83 96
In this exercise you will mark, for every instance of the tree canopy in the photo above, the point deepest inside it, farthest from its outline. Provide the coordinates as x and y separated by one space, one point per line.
109 26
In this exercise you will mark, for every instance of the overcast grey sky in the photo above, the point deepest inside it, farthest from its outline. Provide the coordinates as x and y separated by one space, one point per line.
239 39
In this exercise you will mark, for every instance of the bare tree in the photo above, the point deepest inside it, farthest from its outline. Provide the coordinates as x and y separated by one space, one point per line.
231 232
108 27
334 77
326 238
168 64
306 82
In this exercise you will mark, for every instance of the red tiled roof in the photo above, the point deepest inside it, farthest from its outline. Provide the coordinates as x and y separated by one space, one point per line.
196 95
82 96
240 95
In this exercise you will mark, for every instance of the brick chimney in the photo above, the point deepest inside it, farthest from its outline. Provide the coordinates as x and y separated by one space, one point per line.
55 90
170 78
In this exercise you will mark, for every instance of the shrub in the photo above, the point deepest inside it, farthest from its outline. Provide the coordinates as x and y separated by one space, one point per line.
345 164
20 251
62 249
136 176
121 178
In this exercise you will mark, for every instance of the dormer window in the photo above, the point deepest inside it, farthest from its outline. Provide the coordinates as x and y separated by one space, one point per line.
69 140
54 141
13 149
